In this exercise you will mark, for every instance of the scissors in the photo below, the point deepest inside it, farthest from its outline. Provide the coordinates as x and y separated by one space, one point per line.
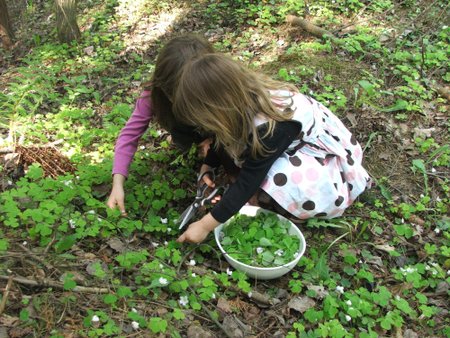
200 198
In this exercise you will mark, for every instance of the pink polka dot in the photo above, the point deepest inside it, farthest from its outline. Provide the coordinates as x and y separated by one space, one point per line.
278 195
296 177
357 153
350 175
265 184
304 215
312 174
292 208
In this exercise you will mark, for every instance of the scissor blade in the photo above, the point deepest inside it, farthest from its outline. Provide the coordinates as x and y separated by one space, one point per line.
186 216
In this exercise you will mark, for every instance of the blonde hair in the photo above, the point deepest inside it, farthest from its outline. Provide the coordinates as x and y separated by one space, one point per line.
218 95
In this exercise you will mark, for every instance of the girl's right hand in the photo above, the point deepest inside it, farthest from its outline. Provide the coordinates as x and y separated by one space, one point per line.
117 196
207 179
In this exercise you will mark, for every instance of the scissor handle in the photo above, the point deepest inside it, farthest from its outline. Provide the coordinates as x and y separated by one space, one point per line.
213 193
203 174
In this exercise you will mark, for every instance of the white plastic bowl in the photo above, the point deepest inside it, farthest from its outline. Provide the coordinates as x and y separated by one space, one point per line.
256 271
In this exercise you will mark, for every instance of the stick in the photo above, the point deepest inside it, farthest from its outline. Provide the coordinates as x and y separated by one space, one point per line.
256 296
6 294
49 283
309 27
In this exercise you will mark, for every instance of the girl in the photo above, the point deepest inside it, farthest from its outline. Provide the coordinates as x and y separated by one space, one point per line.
289 146
157 100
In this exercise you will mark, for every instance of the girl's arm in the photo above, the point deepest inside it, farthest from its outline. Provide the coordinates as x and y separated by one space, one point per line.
248 181
254 171
127 142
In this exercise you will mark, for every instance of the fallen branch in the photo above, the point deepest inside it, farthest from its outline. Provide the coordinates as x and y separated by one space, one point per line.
256 296
6 294
49 283
443 91
309 27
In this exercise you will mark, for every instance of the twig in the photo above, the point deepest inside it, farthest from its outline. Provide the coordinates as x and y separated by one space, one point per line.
256 296
49 283
6 294
309 27
37 258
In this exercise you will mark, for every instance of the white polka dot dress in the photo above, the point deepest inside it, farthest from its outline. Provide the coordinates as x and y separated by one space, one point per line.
320 174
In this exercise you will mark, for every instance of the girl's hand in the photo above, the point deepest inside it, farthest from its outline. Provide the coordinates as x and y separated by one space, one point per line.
117 196
203 147
207 179
198 231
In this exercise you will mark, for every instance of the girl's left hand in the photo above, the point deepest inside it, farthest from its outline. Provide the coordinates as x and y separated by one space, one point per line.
198 231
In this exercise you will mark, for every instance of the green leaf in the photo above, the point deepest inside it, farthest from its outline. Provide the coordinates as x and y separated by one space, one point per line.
110 299
69 283
124 291
265 242
65 243
178 314
157 325
24 315
4 244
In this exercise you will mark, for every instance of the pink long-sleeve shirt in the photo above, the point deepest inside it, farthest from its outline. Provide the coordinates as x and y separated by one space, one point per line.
127 142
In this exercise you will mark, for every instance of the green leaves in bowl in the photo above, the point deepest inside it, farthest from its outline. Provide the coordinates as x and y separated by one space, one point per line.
262 240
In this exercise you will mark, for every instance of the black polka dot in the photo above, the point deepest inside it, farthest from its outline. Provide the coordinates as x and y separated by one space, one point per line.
323 119
335 137
342 176
320 160
350 160
348 151
339 201
296 161
350 187
335 185
329 156
353 140
320 214
309 205
280 179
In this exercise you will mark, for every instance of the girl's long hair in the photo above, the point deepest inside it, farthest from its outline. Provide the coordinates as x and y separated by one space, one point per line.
170 61
219 96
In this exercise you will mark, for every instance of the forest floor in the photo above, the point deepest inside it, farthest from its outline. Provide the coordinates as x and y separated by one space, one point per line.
70 267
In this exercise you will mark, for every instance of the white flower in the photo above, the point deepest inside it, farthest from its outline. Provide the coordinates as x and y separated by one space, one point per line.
229 272
135 325
72 223
133 310
296 254
340 289
360 261
403 220
24 243
161 266
338 97
169 229
433 170
434 272
438 199
183 300
279 252
348 302
166 243
95 319
259 250
437 230
99 219
213 296
155 244
9 182
427 267
422 195
163 220
448 272
348 318
67 183
397 297
142 147
163 281
92 212
193 274
192 262
250 294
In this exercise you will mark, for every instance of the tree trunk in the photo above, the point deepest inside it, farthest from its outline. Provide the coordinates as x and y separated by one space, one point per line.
66 20
6 32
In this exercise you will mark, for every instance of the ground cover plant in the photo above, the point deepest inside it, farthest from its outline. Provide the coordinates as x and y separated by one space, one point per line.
262 240
70 267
